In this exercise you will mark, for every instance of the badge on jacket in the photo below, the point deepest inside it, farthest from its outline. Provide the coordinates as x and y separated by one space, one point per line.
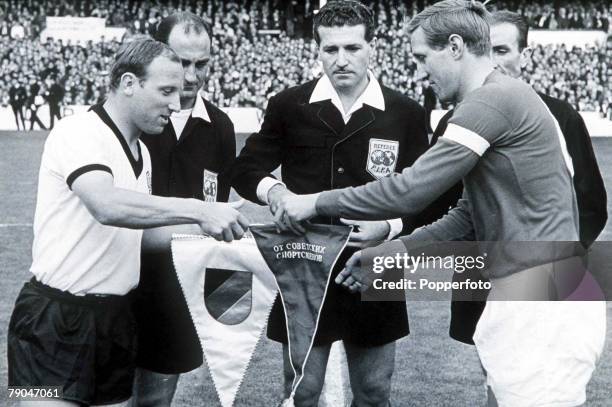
209 186
382 157
149 182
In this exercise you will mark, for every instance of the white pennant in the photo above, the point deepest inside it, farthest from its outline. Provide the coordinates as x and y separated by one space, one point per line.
227 348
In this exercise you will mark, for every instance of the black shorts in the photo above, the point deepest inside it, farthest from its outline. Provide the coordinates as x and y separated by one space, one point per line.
167 339
345 317
85 344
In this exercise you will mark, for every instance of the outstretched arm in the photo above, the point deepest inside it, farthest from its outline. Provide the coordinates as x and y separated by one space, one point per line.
124 208
401 194
455 226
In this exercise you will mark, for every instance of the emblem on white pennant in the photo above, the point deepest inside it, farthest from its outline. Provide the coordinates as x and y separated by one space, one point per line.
382 157
210 186
229 290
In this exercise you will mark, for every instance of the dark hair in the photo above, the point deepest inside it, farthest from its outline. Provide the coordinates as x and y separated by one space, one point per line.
517 20
135 57
344 12
189 20
468 19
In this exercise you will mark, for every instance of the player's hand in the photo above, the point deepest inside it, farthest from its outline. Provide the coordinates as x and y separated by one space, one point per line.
293 209
223 221
275 195
353 277
367 233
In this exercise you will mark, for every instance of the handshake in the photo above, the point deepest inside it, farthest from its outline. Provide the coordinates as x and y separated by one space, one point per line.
223 221
290 210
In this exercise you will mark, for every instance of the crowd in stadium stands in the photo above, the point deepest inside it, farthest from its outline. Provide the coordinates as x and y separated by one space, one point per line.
27 17
562 14
248 66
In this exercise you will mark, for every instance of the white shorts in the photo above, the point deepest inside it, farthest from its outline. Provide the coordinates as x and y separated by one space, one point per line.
540 353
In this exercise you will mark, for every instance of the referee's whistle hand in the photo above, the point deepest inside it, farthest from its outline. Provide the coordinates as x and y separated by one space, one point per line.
223 222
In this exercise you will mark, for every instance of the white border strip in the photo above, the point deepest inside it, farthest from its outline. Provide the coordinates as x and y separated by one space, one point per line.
566 156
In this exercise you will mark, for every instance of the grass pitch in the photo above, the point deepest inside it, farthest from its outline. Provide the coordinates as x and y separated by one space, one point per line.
431 369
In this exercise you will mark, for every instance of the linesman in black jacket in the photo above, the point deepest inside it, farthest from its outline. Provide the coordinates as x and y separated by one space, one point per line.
344 129
510 52
196 146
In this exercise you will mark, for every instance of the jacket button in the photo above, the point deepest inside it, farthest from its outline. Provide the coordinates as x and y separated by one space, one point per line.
340 170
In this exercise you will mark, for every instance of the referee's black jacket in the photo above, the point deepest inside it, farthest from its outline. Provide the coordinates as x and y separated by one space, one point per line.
318 152
178 165
588 183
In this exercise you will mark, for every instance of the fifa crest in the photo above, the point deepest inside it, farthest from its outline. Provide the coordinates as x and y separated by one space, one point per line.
209 186
382 157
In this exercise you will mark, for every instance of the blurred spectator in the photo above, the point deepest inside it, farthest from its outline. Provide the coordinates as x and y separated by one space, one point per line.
35 101
17 100
17 30
4 29
600 22
54 96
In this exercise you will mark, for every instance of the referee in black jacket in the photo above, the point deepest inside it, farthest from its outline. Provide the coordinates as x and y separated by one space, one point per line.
343 129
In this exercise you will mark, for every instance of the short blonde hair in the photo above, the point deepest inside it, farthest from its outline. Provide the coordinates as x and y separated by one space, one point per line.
468 19
136 56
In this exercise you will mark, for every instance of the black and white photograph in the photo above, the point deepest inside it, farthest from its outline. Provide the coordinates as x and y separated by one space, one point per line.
305 203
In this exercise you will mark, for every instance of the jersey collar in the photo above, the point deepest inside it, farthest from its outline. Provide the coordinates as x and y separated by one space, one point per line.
136 164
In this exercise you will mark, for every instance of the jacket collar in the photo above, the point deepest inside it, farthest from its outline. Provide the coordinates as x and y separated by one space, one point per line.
371 96
199 110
